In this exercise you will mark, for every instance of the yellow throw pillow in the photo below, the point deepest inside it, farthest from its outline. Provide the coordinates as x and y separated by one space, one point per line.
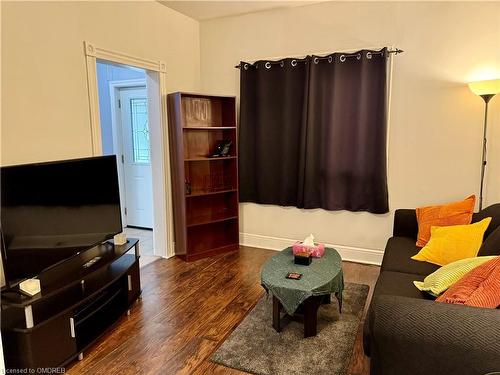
440 280
451 243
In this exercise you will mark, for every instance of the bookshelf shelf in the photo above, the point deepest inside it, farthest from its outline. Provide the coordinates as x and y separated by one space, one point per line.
209 219
206 158
209 128
205 193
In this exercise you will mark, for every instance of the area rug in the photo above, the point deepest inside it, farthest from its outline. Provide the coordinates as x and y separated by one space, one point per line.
255 347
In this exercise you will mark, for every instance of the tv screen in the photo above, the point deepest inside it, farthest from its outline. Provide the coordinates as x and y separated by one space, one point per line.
52 211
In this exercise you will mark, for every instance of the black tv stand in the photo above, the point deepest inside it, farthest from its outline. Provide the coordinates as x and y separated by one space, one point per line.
76 306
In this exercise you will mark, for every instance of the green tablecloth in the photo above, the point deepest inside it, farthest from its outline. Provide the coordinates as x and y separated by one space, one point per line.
323 276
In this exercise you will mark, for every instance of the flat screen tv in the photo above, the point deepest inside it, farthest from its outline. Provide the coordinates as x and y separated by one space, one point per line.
52 211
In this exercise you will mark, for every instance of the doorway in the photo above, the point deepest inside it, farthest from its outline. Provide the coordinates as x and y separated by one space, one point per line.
125 132
156 84
135 157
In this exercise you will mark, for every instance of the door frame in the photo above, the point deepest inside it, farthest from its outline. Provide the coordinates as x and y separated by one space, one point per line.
116 126
163 236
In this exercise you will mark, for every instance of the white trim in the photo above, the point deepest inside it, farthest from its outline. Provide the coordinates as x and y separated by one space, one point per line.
72 327
138 82
167 175
28 316
348 253
123 58
93 92
162 188
2 361
163 223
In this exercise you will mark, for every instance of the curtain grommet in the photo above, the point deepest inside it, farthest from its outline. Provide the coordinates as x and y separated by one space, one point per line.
267 65
330 59
342 58
368 55
282 63
245 66
358 56
293 62
316 60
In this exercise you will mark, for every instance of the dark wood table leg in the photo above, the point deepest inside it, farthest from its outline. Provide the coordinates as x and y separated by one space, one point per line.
276 314
311 306
327 299
339 299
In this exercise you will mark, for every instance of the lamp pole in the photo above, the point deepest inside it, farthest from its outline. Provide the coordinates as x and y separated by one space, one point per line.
486 90
486 99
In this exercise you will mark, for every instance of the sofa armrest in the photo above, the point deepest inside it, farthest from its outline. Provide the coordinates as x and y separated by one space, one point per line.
417 337
405 223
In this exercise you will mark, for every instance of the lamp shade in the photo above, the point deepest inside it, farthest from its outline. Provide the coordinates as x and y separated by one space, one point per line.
489 87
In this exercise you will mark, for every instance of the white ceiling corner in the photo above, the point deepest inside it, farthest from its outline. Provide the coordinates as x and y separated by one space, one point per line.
205 10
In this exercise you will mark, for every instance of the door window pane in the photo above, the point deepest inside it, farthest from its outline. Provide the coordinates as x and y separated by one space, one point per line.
140 130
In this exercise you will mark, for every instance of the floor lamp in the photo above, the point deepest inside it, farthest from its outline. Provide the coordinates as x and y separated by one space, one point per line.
486 90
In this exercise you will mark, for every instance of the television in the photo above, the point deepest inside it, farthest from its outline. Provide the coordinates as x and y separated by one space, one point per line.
52 211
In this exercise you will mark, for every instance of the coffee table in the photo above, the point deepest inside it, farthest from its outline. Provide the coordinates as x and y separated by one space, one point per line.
319 280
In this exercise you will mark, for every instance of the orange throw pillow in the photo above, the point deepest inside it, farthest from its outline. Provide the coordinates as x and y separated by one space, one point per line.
479 287
456 213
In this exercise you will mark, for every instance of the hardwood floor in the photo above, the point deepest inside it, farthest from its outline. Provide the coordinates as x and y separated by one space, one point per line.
186 311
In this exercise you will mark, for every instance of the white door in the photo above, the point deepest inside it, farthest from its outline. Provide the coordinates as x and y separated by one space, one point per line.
136 158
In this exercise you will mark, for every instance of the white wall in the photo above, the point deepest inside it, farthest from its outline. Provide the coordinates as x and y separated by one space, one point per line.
45 107
435 134
44 86
436 130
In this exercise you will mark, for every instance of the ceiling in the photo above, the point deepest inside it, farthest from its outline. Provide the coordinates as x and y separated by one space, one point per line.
204 10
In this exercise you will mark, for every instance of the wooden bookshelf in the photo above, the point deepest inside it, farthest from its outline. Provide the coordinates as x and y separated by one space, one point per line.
205 188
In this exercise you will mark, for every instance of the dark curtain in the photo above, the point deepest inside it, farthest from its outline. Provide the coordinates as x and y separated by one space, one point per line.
272 132
313 132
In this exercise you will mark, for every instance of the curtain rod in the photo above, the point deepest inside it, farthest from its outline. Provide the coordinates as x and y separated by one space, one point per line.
395 51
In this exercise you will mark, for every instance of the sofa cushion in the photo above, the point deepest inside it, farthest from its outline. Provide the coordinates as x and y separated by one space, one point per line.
492 211
437 282
479 288
455 213
491 244
452 243
397 257
399 284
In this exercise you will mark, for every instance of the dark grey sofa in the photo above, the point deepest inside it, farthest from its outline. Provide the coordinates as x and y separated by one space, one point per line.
406 332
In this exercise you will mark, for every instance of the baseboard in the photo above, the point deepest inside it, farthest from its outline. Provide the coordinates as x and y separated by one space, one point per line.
348 253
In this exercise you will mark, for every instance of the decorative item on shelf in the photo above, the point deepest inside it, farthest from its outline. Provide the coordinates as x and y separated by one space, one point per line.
486 90
222 149
316 250
30 287
120 239
303 259
188 186
198 109
218 182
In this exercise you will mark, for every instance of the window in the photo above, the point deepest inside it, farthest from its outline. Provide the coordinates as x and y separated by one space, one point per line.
140 130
